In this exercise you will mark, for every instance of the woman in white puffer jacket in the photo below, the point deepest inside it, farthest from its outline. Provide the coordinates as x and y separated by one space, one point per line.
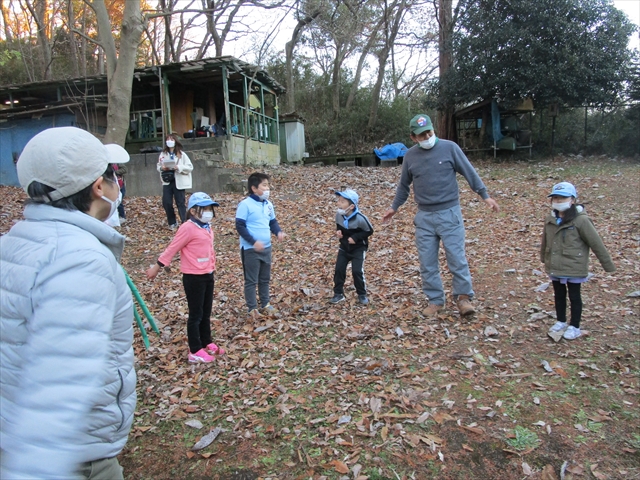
175 169
67 383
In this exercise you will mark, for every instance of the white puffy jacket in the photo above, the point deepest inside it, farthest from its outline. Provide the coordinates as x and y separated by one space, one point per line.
67 382
184 167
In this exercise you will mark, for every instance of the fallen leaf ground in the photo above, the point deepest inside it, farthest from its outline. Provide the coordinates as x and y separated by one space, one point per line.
380 392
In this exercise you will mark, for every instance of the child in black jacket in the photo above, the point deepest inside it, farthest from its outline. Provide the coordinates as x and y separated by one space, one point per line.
353 230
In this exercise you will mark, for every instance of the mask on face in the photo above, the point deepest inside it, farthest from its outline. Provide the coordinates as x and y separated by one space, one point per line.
342 211
264 196
114 205
171 143
429 142
561 207
206 217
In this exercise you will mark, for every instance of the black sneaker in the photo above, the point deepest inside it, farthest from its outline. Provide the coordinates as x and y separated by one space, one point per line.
337 298
363 300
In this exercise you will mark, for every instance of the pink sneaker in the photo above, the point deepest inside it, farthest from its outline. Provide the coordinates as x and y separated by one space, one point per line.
213 349
200 357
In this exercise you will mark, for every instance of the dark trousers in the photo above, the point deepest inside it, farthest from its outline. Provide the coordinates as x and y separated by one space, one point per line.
256 267
357 269
123 190
199 290
169 192
560 294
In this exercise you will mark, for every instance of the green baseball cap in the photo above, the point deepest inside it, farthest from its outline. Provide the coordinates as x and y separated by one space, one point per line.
420 123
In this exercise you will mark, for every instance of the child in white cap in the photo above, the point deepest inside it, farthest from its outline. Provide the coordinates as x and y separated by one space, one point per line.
568 235
194 241
353 229
68 386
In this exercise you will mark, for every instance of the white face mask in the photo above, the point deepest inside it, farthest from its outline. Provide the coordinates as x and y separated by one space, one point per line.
428 143
171 143
345 211
561 207
206 217
114 205
264 196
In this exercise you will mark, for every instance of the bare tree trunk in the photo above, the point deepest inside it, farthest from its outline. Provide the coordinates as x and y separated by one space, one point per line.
289 46
83 42
73 47
119 67
220 37
377 88
446 123
168 39
335 79
7 31
390 37
100 61
39 11
363 56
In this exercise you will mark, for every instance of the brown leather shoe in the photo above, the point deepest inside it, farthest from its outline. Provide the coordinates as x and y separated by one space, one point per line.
465 306
432 310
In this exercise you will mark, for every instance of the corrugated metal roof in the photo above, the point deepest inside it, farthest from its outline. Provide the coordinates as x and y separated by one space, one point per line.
191 70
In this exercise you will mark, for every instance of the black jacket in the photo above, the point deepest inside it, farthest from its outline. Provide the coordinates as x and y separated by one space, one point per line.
359 228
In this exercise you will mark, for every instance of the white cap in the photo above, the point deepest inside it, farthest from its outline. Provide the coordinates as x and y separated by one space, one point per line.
66 159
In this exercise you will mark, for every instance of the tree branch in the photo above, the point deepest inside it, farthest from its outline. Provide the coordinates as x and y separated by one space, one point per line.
86 37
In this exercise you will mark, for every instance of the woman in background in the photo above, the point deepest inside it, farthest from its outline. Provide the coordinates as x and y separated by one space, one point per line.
175 169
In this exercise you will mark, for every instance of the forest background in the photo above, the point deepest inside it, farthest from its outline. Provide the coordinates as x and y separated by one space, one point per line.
355 70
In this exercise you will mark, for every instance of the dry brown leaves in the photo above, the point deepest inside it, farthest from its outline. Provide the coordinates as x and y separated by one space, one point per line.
348 385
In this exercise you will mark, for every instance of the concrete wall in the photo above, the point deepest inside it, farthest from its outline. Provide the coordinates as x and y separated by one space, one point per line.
209 174
257 153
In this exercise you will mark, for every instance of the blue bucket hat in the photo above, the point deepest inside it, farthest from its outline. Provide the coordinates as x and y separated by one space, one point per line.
563 189
201 199
350 195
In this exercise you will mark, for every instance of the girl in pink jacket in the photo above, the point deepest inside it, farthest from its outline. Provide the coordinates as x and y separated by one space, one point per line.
194 241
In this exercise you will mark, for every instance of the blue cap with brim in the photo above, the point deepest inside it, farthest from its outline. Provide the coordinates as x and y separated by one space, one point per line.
350 195
201 199
563 189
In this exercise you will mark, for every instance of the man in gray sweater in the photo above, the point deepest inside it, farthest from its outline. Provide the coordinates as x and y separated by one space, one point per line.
432 166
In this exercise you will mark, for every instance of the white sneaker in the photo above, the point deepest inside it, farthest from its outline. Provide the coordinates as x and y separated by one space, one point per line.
559 327
571 333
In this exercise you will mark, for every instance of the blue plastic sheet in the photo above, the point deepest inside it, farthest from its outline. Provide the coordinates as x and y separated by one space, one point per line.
391 151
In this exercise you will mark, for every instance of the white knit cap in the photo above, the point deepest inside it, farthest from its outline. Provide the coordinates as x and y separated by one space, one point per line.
66 159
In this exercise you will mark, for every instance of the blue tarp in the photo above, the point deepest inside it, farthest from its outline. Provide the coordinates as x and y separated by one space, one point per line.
391 151
15 134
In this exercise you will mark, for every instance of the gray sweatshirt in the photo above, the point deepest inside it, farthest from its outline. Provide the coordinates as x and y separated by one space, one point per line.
433 173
